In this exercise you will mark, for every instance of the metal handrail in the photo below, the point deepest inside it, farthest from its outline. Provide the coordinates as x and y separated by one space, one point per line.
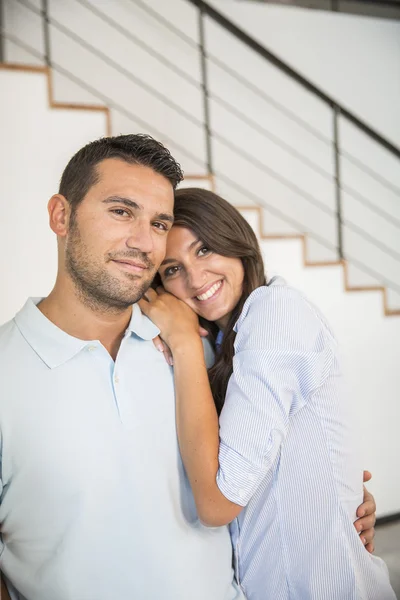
1 26
293 74
296 119
260 93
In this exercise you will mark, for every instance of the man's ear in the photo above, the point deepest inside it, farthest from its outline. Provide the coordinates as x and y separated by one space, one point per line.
59 214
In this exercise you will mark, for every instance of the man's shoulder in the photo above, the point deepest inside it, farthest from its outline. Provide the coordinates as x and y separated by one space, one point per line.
7 332
10 341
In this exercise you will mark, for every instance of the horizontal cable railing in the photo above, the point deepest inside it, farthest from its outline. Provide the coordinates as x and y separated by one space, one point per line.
292 73
114 65
167 24
382 180
260 201
133 38
196 84
106 100
269 99
233 73
211 134
308 197
304 159
256 126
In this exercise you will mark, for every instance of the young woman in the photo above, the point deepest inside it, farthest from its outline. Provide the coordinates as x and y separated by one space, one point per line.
278 464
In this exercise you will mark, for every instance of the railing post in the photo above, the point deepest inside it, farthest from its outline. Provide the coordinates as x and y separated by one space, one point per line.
338 188
206 98
2 54
46 32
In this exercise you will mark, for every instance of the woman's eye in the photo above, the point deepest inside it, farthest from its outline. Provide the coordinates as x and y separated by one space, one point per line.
203 250
170 271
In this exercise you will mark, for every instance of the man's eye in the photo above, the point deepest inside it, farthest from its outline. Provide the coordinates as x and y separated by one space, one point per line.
161 226
120 212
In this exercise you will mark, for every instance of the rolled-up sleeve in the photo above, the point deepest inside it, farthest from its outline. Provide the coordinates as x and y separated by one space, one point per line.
283 353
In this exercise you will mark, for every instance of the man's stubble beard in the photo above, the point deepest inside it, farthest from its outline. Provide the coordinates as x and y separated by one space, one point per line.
96 288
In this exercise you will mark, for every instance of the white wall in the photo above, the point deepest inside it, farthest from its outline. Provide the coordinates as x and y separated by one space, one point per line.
36 144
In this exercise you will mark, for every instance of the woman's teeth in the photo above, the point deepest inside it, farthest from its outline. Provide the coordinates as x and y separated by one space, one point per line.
210 292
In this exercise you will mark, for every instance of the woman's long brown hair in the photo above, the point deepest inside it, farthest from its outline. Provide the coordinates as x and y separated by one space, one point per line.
225 231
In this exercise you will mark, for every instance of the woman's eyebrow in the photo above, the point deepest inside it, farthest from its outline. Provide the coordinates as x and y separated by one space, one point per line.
168 261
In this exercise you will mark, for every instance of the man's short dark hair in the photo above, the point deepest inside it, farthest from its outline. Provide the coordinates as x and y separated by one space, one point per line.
81 174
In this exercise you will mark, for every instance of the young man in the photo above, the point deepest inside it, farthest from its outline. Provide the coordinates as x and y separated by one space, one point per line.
95 503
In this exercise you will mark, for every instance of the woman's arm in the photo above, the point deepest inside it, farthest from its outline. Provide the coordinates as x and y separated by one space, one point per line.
198 432
197 419
266 387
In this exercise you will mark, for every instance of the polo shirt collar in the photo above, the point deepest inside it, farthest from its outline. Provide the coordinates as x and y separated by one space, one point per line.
141 325
54 346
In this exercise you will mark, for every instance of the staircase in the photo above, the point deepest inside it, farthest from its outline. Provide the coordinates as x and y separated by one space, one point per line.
263 137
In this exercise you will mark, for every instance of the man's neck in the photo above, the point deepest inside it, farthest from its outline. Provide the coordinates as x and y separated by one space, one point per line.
64 308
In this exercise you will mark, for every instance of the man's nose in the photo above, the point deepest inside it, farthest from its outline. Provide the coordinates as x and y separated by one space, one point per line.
141 237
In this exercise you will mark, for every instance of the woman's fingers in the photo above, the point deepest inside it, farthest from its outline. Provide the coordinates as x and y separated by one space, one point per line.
160 290
366 524
367 475
162 347
144 306
159 344
368 507
149 295
370 547
168 355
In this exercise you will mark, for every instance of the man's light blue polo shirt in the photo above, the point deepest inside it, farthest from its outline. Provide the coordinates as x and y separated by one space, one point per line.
95 504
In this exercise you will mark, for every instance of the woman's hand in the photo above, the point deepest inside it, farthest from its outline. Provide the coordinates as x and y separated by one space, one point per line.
366 517
175 320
